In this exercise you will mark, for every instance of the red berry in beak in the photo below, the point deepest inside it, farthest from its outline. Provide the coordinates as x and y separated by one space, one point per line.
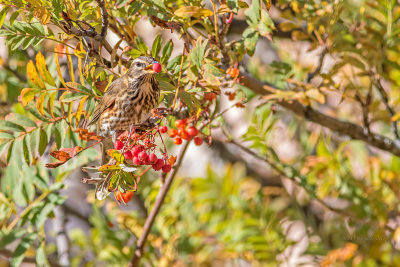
156 67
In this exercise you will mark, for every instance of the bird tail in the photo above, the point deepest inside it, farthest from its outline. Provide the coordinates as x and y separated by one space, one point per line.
106 144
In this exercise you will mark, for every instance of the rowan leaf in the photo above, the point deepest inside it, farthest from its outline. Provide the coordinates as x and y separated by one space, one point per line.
42 67
193 11
34 76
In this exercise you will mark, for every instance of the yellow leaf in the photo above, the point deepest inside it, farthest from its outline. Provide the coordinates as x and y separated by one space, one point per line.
193 11
56 51
42 67
288 26
51 103
80 109
34 76
40 103
299 35
70 65
396 117
27 95
224 9
42 14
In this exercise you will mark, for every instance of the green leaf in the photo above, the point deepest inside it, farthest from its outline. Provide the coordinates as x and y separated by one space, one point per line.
23 120
23 246
7 237
43 141
198 53
41 259
25 149
11 126
250 40
4 135
155 50
10 149
140 45
3 14
167 50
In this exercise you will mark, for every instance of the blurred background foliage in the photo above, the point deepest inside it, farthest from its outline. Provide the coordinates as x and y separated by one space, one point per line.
279 184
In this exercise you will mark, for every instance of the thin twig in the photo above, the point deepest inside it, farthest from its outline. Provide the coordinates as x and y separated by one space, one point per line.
311 75
389 109
138 253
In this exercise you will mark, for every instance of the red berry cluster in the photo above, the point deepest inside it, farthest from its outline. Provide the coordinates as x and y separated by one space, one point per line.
140 150
184 132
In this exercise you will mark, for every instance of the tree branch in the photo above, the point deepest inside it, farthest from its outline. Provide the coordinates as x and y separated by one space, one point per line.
349 129
138 253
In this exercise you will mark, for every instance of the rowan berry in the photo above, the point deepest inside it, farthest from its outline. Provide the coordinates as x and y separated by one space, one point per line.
198 141
118 145
166 168
128 154
163 129
192 131
177 141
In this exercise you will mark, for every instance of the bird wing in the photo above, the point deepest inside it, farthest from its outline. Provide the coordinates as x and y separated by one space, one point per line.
106 101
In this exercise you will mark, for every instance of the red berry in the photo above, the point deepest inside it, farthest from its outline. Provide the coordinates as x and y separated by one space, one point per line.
192 131
198 141
136 161
158 165
180 123
143 156
152 158
163 129
184 134
128 154
177 141
157 67
118 145
136 150
172 133
125 197
166 168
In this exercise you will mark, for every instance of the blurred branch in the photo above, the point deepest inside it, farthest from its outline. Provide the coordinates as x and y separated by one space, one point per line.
8 254
349 129
61 236
311 75
20 77
323 203
138 253
365 108
265 178
390 110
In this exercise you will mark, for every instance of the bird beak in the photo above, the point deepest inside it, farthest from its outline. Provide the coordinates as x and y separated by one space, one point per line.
149 68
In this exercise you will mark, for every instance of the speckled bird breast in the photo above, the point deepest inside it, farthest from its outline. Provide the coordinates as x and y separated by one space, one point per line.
132 106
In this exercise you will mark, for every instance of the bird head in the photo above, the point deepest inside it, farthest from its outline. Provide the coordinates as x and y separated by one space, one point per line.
144 65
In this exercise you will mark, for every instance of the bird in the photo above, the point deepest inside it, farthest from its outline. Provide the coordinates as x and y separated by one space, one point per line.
128 101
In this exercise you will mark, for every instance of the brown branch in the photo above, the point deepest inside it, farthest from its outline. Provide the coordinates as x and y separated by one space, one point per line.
138 253
104 18
349 129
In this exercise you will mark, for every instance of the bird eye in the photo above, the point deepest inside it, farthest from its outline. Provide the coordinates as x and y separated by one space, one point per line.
138 64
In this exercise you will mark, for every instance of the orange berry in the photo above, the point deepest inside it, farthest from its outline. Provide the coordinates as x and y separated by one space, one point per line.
177 141
124 197
172 133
